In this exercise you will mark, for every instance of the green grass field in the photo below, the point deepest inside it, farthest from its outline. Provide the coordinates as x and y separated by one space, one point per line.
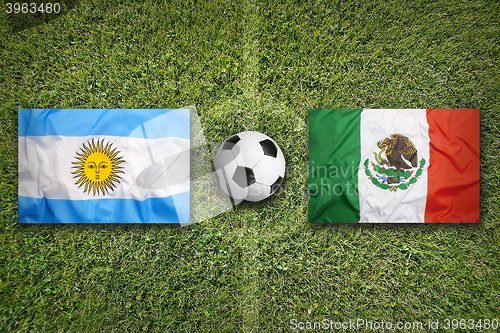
250 65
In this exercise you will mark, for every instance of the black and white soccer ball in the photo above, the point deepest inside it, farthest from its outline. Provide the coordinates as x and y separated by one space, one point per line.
250 166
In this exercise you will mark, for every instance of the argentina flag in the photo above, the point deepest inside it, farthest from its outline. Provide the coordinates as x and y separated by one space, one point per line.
104 166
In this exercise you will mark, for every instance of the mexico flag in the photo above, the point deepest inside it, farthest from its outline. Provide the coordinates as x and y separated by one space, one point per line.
376 165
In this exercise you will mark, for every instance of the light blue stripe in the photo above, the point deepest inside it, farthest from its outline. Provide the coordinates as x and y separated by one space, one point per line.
158 123
152 210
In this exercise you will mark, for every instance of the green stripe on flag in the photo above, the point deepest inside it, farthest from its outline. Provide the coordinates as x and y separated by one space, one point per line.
334 158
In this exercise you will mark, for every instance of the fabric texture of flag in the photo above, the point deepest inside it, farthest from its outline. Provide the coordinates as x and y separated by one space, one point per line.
104 166
376 165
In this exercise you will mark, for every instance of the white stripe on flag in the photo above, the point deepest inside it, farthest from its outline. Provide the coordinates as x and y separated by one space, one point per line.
377 205
45 167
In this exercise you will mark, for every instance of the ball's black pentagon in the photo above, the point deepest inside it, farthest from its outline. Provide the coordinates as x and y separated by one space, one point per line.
269 148
229 144
276 184
243 176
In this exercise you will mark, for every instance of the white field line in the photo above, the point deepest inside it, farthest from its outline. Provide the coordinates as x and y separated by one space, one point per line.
249 301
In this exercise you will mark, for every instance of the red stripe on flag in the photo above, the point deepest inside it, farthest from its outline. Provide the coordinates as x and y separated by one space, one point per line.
453 173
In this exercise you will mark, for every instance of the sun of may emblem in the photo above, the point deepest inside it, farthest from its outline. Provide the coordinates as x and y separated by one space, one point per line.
399 169
97 167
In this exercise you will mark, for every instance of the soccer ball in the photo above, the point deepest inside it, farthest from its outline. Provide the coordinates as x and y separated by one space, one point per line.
250 166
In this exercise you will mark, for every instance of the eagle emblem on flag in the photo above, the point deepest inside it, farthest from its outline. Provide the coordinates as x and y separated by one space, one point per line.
400 167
